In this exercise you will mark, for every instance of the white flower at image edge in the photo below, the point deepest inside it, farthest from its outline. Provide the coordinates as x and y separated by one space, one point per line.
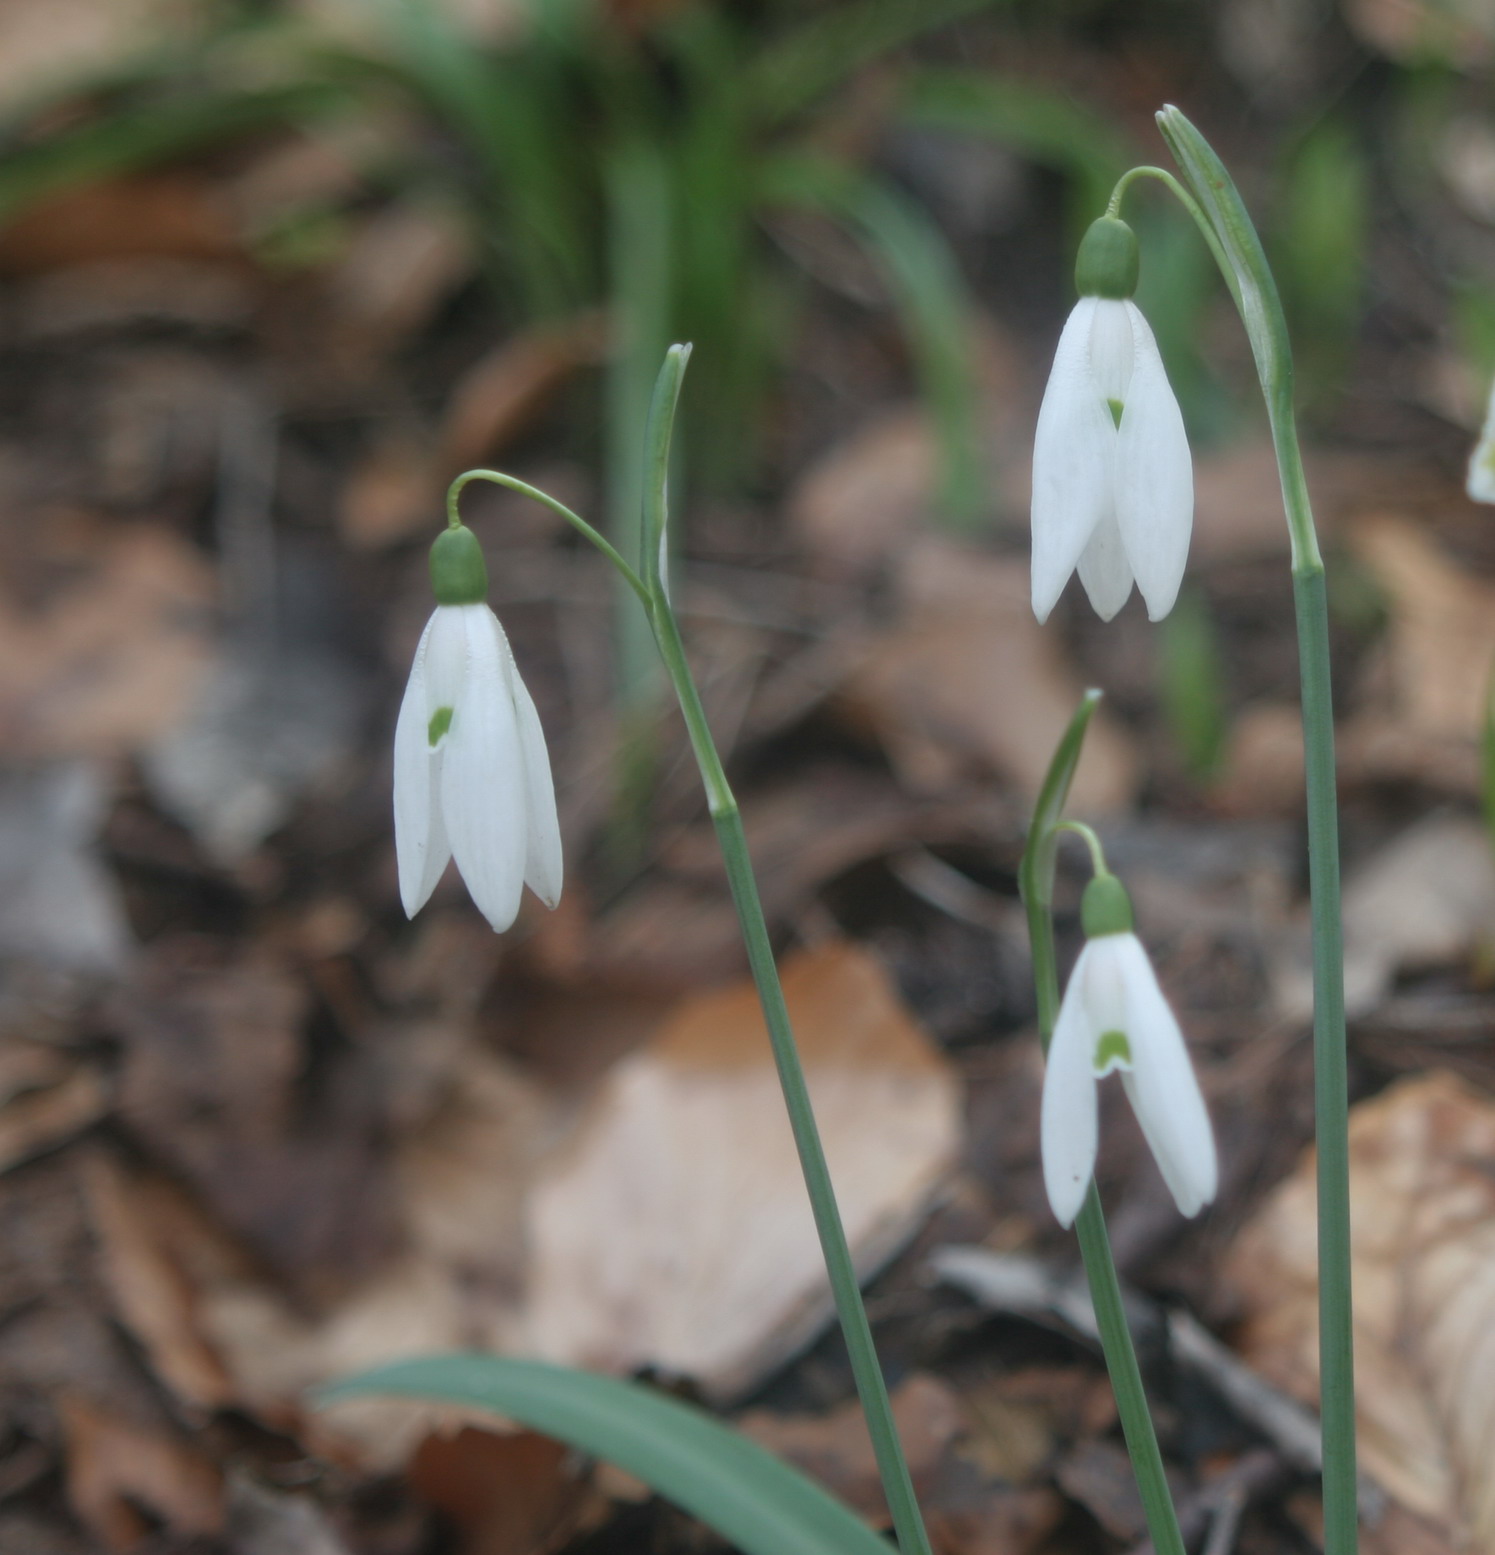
1481 481
1113 485
1114 1016
471 774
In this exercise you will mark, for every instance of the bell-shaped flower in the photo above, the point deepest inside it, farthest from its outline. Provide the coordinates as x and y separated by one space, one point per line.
471 774
1481 481
1113 484
1114 1017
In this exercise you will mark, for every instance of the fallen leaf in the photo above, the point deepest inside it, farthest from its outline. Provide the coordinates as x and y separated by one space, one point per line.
1423 1266
262 1521
215 1085
176 214
115 1468
835 1450
41 1119
269 726
394 493
1098 1474
1416 32
674 1232
504 1494
1426 900
501 393
59 906
114 654
401 265
966 684
1438 659
866 498
47 44
137 1220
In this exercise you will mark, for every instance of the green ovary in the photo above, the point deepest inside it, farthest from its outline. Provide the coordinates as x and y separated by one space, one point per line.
441 721
1112 1045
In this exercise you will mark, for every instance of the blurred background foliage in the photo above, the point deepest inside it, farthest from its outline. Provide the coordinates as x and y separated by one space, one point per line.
715 170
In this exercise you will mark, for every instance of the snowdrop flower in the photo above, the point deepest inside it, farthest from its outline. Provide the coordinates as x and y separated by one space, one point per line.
472 778
1114 1016
1481 482
1113 487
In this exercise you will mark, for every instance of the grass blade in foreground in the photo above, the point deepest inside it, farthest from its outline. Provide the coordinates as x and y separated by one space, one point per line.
748 1496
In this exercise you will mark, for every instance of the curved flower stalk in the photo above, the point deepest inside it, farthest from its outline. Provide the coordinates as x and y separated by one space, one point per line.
471 774
1113 484
1114 1017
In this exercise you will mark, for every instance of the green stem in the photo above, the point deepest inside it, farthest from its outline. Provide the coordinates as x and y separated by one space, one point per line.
1105 1288
1330 1078
871 1386
1237 246
653 591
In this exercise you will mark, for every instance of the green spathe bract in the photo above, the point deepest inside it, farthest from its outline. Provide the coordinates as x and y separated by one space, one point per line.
459 575
754 1501
1109 261
1105 908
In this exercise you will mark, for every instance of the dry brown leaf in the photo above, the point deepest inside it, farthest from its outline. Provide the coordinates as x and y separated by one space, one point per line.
39 1119
512 1494
115 1468
49 44
169 213
403 262
1426 900
1457 32
501 393
114 655
870 494
966 683
458 1183
136 1221
675 1232
835 1450
395 491
1423 1250
1424 723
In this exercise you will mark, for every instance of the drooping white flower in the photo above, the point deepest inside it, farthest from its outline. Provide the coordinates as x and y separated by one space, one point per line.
1113 484
1481 481
1114 1016
471 774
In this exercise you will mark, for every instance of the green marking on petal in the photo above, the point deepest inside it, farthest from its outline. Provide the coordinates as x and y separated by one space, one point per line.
1116 409
1112 1046
441 721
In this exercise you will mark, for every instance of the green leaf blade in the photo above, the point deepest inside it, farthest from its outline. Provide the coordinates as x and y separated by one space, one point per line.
753 1500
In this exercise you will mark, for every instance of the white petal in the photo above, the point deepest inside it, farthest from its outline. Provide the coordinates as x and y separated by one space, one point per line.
482 776
1163 1090
1104 569
1154 477
1073 454
1113 351
421 848
542 861
1481 482
1068 1126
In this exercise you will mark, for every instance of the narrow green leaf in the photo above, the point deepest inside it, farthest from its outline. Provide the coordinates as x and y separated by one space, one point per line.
1255 288
754 1501
1036 873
